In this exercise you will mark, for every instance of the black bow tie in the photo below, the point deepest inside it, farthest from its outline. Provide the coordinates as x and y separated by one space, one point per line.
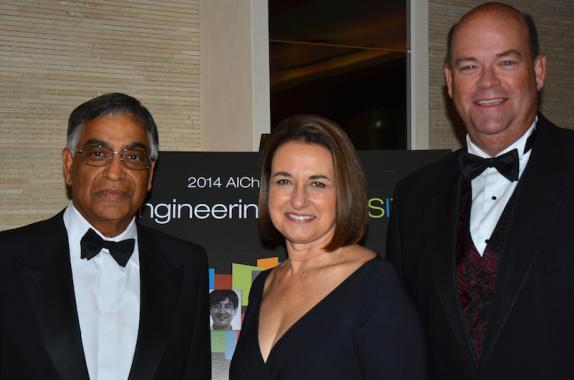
506 164
92 244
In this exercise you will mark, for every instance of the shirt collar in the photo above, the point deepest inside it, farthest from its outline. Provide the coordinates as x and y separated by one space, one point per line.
519 144
77 226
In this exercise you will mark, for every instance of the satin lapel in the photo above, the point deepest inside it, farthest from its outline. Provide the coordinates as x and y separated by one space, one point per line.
442 246
47 277
160 286
537 199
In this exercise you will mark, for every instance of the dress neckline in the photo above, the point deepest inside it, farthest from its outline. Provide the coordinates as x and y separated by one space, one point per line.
305 316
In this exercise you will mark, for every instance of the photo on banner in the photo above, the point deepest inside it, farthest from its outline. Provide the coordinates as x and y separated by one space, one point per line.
225 309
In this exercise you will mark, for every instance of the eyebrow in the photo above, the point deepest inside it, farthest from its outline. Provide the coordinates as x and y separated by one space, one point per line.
137 145
500 55
105 144
464 59
281 174
313 177
509 52
96 142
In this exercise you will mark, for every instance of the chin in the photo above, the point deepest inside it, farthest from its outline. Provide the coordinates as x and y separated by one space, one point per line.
114 212
490 126
297 239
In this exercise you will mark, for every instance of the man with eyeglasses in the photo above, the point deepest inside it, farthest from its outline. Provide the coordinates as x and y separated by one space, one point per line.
91 293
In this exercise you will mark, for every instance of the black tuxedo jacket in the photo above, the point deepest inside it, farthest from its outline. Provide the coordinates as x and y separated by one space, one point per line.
39 329
530 324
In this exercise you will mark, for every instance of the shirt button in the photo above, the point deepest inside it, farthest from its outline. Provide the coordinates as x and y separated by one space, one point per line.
493 197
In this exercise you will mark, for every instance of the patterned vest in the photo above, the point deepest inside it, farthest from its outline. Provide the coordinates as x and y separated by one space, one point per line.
476 275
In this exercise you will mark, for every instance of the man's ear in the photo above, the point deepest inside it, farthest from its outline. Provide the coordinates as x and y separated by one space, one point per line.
151 171
540 70
448 78
68 161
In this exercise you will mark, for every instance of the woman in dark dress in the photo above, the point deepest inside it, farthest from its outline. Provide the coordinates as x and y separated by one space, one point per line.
333 309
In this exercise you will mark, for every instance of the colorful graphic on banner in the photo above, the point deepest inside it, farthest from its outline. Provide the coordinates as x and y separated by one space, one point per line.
239 282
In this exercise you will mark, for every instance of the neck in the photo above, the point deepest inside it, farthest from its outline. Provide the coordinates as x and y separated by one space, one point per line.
111 232
110 229
305 258
492 149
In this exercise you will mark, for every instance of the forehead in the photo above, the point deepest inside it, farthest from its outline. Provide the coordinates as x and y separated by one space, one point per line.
114 130
225 301
488 30
301 154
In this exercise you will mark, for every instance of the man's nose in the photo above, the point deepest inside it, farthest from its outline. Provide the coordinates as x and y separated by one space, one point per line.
115 169
489 78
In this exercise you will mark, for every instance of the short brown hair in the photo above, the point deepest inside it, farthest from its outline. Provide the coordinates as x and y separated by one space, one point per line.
350 185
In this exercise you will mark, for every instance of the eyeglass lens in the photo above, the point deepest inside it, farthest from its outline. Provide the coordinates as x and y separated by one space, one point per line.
100 156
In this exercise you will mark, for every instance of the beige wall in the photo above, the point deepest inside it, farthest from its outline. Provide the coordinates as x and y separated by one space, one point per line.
56 54
555 22
234 74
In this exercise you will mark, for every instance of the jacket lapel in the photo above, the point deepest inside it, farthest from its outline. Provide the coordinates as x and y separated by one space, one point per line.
537 199
442 244
47 277
160 286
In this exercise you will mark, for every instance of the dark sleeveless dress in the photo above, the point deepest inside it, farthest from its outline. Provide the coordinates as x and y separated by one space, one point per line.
366 328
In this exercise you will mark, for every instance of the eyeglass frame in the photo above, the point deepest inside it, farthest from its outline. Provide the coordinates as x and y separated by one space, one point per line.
112 155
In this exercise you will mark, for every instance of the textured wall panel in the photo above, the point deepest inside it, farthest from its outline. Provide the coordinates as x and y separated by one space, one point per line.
55 55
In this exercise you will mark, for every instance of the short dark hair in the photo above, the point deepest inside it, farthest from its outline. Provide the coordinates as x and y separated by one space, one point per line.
530 26
350 184
112 104
219 295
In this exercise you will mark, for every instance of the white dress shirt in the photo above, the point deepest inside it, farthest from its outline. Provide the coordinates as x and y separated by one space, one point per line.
491 191
107 299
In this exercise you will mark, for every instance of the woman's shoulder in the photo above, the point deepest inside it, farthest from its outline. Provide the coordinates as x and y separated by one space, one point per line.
384 273
259 281
355 257
374 264
258 285
377 272
381 282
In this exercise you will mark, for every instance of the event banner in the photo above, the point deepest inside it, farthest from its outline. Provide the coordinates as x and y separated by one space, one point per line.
211 199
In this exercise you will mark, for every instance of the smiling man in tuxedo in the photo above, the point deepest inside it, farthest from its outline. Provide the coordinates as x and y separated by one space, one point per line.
91 293
482 238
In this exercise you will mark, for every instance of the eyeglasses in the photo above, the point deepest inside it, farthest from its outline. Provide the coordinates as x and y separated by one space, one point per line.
98 155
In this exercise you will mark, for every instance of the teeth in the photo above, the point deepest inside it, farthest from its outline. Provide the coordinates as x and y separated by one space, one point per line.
300 217
490 102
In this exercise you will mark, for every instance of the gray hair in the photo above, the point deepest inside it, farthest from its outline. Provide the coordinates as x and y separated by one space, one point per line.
113 104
